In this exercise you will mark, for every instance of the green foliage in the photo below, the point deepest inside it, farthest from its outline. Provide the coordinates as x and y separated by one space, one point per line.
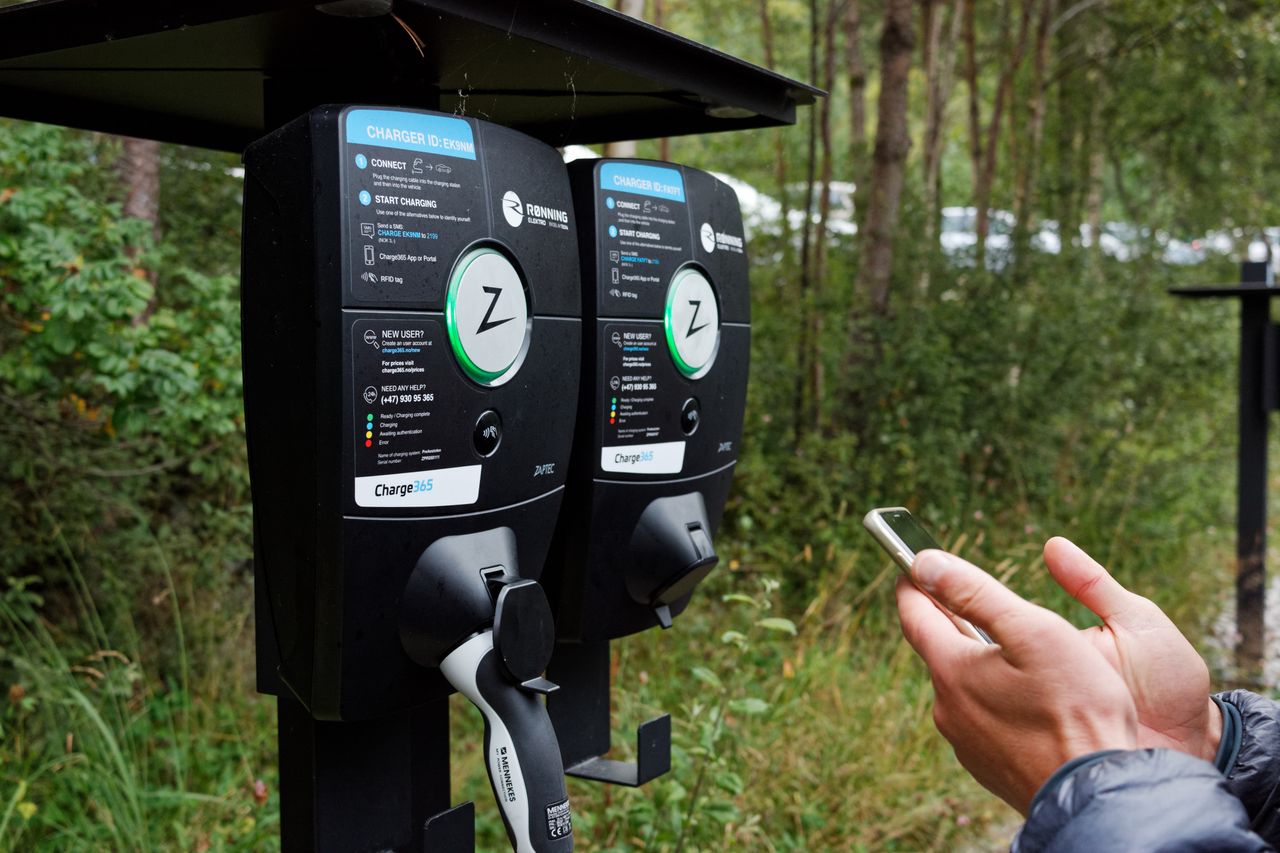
79 325
124 459
1187 88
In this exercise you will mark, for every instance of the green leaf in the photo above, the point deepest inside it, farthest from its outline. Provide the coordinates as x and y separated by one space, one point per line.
730 782
778 623
708 677
751 706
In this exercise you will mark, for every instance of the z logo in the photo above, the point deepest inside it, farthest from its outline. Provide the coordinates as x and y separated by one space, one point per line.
697 306
486 324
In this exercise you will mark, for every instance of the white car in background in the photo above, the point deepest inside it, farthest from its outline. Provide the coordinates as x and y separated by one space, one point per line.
1182 253
958 236
760 213
1117 240
840 218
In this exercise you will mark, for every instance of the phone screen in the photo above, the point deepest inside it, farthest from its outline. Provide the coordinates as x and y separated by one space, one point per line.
914 539
909 531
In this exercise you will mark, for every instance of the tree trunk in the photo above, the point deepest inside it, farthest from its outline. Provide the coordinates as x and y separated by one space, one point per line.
626 148
892 143
991 147
940 80
1029 164
1095 145
779 146
1068 110
139 168
824 215
971 78
807 344
855 68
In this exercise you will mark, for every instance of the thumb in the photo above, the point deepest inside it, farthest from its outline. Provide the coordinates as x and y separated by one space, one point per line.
968 591
1085 579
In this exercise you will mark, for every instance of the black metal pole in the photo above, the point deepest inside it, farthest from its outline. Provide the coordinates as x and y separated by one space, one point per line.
362 786
1251 478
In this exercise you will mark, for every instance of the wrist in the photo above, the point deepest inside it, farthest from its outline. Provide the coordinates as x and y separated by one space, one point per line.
1212 734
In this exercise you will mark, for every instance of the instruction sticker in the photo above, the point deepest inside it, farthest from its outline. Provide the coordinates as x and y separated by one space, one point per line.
644 232
400 460
641 432
414 197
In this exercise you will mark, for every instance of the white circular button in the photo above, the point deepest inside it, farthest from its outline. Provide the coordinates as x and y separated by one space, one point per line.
487 315
693 322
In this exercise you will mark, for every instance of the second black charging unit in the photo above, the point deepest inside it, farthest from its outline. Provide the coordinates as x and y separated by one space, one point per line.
666 348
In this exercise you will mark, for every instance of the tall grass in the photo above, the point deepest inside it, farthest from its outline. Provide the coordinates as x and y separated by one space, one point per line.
101 750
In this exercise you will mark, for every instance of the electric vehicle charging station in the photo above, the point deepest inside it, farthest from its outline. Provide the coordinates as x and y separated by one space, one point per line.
365 622
406 316
666 347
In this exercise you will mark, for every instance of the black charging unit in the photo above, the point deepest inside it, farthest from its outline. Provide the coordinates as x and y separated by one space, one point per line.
666 314
412 332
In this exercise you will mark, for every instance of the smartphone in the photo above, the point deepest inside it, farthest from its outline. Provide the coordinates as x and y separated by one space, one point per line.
903 537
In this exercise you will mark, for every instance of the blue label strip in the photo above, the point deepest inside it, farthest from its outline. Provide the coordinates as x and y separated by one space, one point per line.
449 137
643 180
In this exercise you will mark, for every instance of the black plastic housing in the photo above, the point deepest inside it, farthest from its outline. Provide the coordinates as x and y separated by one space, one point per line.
631 545
319 320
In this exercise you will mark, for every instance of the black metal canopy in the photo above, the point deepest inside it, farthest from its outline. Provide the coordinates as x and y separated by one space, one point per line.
219 73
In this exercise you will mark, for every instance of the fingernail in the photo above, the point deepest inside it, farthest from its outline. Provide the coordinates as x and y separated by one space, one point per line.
928 567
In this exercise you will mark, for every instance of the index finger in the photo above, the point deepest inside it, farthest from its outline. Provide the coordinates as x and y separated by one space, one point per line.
1085 579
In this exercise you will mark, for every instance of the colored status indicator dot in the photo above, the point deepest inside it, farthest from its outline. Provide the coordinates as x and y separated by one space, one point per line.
368 444
368 435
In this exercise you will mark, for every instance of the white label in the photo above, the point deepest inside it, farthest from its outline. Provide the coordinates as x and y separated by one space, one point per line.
666 457
441 487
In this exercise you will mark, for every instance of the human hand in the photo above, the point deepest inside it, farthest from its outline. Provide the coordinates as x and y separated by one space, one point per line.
1166 677
1015 712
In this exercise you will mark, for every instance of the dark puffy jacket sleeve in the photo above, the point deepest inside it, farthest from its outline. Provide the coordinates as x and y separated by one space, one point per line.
1252 762
1139 800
